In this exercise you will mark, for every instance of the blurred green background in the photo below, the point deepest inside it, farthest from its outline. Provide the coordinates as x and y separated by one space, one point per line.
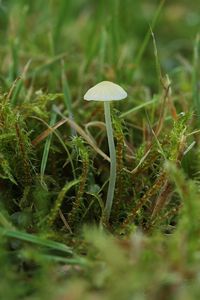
101 38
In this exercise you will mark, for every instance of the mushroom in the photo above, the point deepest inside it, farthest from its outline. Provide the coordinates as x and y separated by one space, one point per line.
107 91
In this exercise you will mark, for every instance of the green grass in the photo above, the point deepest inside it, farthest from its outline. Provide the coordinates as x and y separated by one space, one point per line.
54 158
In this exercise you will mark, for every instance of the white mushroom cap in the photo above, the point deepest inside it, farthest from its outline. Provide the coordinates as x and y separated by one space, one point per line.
105 91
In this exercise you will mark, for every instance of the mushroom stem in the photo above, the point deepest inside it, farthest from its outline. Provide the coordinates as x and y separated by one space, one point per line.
112 152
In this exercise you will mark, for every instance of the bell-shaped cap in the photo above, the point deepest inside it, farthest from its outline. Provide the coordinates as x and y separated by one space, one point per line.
105 91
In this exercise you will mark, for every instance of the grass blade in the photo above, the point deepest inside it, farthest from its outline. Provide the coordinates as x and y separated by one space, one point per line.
136 108
46 150
67 98
196 94
148 34
31 238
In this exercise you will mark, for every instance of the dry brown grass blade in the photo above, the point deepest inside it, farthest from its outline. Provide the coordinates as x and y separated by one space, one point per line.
78 129
21 77
98 124
134 171
47 132
166 100
64 221
12 87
